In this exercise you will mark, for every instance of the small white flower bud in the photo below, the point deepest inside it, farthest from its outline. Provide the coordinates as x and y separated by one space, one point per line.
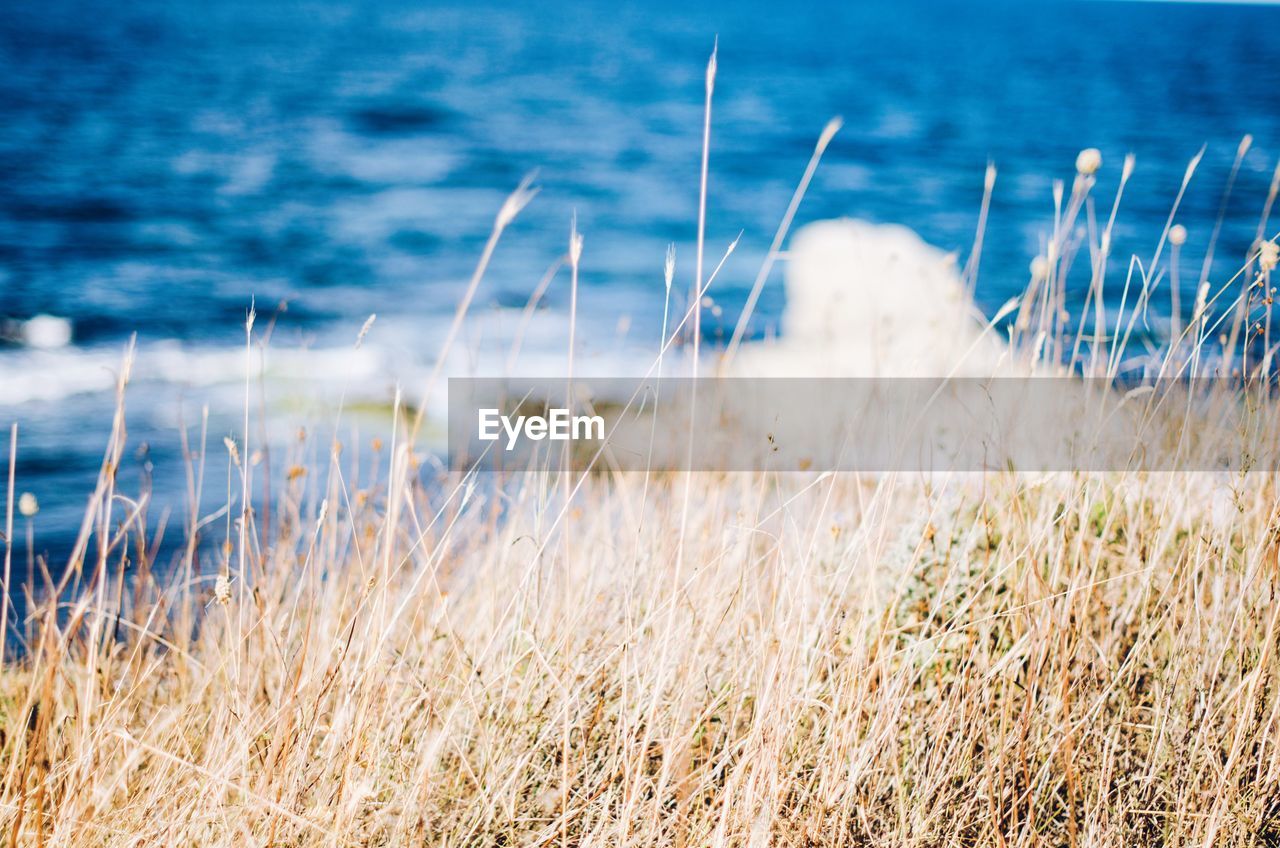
1177 235
28 505
1089 161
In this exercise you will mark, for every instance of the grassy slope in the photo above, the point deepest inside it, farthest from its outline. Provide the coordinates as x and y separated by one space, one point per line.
824 661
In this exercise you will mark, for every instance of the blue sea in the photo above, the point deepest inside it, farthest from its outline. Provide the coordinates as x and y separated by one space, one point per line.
165 164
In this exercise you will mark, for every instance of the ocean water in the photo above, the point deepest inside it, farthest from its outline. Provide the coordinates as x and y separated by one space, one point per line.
162 165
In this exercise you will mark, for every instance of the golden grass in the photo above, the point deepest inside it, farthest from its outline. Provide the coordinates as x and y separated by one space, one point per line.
826 660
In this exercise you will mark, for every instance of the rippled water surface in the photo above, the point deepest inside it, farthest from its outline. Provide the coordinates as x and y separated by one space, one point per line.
163 163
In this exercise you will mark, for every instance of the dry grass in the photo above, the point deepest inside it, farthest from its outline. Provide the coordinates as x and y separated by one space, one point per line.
395 658
1083 660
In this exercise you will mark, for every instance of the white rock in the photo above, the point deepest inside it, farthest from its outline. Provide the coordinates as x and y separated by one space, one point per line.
873 300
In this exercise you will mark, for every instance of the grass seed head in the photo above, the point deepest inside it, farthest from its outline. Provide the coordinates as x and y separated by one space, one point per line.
1268 255
1089 161
1039 268
232 449
222 589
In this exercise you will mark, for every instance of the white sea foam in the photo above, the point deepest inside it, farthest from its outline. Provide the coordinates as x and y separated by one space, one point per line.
45 375
52 374
396 353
